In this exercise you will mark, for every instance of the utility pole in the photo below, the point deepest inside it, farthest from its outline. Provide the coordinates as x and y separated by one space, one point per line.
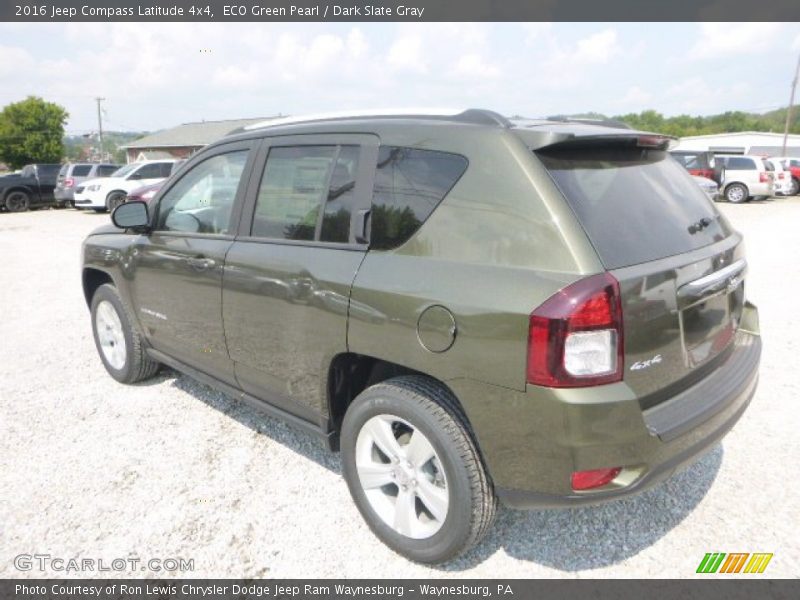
791 107
100 127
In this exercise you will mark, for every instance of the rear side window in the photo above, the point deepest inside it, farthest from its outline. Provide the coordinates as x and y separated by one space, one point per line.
106 170
738 163
151 171
635 204
307 193
49 170
81 170
409 185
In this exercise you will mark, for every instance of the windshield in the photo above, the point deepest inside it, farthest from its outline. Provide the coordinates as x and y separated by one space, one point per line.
636 204
122 171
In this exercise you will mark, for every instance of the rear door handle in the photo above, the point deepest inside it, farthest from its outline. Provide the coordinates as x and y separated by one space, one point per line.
363 226
200 263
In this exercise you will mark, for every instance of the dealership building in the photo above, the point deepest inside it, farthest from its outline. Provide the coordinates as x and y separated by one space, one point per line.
184 140
743 142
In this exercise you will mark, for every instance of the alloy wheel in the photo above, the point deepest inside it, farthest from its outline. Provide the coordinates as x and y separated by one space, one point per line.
402 476
110 334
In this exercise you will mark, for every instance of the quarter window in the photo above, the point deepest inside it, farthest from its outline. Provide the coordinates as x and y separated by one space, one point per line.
409 185
202 200
307 193
81 170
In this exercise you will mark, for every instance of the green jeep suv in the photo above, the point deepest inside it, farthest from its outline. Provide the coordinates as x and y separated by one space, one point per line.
471 309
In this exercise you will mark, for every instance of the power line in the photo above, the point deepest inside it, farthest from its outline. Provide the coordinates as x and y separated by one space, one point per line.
791 106
100 125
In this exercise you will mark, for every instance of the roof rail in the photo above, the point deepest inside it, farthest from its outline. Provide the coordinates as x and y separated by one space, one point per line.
475 116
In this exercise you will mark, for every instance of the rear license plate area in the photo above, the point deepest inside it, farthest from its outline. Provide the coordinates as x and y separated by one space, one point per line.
708 326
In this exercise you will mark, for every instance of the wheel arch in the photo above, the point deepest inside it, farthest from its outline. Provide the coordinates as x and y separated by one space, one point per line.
93 279
349 374
112 192
17 188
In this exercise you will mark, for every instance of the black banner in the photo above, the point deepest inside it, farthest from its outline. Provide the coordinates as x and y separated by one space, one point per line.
398 10
373 589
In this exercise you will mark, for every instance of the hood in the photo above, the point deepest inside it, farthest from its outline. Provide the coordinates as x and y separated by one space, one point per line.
106 229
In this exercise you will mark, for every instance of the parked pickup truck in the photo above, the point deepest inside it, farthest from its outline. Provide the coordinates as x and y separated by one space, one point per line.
30 188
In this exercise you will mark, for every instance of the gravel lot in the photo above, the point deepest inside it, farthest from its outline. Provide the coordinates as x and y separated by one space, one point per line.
93 469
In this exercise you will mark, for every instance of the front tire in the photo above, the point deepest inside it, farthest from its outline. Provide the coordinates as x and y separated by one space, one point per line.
736 193
114 199
414 470
18 201
119 345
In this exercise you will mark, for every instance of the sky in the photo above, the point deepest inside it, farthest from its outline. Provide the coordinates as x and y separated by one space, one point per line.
159 75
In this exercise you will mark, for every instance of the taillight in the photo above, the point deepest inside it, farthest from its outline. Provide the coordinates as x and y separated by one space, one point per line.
69 182
780 175
763 178
587 480
575 337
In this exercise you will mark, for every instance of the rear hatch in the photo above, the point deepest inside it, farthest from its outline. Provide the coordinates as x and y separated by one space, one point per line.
679 264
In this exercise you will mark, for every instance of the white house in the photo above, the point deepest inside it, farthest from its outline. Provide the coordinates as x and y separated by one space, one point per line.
743 142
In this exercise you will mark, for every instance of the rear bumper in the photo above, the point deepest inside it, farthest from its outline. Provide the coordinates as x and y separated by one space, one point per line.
549 434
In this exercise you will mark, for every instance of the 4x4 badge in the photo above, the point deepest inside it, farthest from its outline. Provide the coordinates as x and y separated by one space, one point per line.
643 364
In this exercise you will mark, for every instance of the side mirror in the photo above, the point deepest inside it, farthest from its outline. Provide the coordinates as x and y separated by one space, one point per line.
131 215
136 175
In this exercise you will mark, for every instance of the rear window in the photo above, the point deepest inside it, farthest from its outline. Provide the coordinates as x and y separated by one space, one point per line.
636 204
81 170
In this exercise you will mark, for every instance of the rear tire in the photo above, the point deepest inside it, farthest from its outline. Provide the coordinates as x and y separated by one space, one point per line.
119 345
430 500
18 201
737 193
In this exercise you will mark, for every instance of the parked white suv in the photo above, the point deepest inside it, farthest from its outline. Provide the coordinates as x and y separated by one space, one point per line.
792 166
106 193
745 176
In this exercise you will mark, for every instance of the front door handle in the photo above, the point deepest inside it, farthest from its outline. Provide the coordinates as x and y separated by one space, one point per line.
201 263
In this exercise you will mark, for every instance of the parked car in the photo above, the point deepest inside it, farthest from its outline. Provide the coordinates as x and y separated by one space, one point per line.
793 166
523 331
697 162
145 193
783 178
72 175
709 187
32 187
109 192
745 176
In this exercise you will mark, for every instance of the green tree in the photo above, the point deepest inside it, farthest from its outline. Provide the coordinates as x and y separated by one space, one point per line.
32 130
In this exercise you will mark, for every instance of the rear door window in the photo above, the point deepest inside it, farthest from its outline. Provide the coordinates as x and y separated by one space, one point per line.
409 185
307 193
635 204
